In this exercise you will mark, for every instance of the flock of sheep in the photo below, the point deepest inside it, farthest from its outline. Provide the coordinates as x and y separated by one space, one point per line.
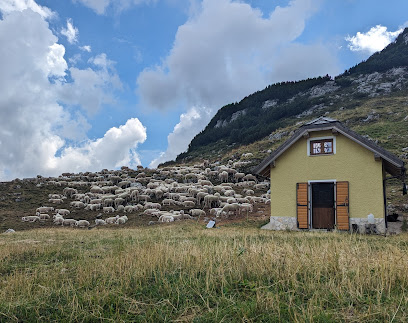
167 194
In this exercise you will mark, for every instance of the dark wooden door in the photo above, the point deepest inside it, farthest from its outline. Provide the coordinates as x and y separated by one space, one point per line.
323 205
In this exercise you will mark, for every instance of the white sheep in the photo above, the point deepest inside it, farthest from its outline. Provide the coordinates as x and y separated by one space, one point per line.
82 223
30 218
63 212
197 212
130 208
166 218
55 201
44 216
245 207
108 209
121 220
70 222
112 219
100 222
168 202
45 209
188 204
230 208
59 220
77 204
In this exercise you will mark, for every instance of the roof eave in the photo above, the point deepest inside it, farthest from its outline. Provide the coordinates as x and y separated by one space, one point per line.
395 161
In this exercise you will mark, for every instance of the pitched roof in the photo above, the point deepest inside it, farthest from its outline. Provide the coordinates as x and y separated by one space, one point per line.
393 165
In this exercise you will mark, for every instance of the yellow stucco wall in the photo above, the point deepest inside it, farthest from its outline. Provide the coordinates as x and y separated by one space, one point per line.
352 163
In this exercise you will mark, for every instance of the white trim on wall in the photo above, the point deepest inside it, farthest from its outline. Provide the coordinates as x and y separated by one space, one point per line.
321 138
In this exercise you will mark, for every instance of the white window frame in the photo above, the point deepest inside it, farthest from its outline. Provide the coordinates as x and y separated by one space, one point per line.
321 138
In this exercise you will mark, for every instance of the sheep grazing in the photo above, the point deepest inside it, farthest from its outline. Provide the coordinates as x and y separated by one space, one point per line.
45 209
82 223
188 204
70 222
121 220
230 208
59 220
108 209
77 204
100 222
30 218
63 212
44 216
93 207
111 220
197 212
168 202
166 218
130 209
55 201
245 207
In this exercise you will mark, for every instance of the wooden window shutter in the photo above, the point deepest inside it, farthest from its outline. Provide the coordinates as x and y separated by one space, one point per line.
342 205
302 205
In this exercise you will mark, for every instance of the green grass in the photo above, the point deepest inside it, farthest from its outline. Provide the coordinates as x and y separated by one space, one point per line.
184 272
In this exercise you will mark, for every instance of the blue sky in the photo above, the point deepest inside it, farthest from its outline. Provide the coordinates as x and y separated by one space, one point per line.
92 84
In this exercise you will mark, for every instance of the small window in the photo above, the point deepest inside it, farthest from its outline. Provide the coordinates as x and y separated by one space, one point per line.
321 147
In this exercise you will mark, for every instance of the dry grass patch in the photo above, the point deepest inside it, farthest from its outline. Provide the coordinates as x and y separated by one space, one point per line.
186 273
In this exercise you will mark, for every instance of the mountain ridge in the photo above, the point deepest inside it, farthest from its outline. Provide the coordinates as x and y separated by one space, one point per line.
284 104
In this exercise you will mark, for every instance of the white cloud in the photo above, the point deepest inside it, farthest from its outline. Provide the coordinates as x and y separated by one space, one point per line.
38 133
100 6
7 6
70 32
116 148
91 88
56 63
374 40
229 50
191 123
85 48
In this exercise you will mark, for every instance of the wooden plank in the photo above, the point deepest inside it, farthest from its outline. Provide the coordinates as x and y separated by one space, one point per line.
302 205
342 208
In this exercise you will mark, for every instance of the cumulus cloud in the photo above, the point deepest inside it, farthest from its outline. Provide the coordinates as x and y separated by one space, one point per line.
70 32
91 88
191 123
7 6
228 50
374 40
39 133
116 148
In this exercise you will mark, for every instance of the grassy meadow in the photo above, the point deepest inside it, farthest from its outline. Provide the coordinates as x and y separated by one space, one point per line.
185 273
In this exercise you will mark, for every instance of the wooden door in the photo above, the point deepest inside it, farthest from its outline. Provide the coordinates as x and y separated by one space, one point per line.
342 205
323 206
302 209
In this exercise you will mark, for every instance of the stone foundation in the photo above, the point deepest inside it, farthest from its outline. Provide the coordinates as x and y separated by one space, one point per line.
362 223
281 223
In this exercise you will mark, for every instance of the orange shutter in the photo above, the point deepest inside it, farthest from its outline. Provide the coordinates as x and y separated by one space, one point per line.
342 205
302 205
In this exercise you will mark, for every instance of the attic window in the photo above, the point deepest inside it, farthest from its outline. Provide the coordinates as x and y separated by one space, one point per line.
321 147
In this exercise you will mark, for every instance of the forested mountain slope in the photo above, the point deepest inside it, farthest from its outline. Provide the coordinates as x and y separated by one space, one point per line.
366 91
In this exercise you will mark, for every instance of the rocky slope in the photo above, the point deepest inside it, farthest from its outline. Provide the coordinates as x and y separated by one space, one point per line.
368 97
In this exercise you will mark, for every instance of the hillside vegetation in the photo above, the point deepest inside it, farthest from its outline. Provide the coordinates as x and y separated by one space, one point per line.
368 96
